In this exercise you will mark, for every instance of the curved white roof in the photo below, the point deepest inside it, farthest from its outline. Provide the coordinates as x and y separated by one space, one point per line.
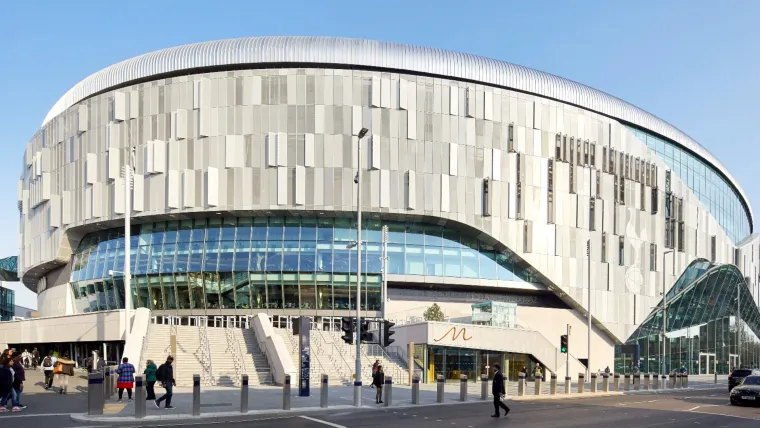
369 53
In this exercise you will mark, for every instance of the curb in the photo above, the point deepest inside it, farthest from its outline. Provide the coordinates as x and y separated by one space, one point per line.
256 414
216 416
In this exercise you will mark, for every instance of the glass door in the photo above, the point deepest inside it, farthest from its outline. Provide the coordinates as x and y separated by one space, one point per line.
733 362
706 363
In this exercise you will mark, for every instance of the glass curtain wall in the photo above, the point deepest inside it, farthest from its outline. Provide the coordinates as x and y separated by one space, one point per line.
704 335
270 263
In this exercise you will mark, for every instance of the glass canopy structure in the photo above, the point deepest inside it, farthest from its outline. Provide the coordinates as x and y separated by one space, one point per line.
704 334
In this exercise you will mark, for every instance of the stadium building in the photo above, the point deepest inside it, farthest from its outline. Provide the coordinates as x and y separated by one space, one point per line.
505 191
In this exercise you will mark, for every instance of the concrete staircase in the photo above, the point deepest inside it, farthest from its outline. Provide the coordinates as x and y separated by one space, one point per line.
229 358
332 356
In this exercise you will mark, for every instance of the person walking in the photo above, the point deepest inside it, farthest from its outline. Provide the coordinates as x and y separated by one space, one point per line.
26 359
378 380
48 365
498 391
126 380
7 392
35 358
150 379
537 372
165 375
64 369
19 377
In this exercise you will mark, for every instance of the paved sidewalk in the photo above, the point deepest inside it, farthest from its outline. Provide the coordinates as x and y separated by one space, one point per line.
218 402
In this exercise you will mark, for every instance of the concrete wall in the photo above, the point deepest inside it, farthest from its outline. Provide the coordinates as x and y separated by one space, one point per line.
56 301
91 327
280 361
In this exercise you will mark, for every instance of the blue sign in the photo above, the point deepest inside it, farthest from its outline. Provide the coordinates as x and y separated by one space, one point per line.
304 338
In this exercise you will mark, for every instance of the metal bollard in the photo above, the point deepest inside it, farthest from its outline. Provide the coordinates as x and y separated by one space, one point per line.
196 395
617 382
627 383
664 382
416 390
95 398
286 393
636 382
655 382
679 379
107 382
686 380
646 381
357 393
568 382
521 385
715 380
388 390
462 387
581 383
606 382
323 392
114 381
139 397
672 381
483 387
244 393
538 386
593 382
439 396
553 385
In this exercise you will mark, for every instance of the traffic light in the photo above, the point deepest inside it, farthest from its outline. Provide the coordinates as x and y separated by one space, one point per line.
387 333
563 344
347 325
367 337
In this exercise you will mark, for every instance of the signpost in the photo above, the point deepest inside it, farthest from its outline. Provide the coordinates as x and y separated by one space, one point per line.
304 339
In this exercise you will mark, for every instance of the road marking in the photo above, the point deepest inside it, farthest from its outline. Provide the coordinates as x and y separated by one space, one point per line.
322 422
693 408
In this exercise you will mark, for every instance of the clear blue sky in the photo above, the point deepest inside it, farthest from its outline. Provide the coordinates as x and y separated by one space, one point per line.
694 63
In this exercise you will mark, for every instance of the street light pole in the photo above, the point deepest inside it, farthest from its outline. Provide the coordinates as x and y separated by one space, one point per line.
358 181
588 312
664 312
128 172
384 290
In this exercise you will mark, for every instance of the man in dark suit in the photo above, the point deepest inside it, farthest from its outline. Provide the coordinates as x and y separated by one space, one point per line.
498 391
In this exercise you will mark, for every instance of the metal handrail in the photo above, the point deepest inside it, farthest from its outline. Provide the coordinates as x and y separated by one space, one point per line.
335 350
207 372
233 346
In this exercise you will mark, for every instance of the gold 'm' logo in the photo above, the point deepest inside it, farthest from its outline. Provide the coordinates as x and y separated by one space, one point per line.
455 335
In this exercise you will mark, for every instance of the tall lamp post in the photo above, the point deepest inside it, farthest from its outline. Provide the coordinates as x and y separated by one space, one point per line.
664 312
358 181
128 177
588 312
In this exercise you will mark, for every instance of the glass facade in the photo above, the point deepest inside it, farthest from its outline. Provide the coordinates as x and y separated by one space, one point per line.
704 335
270 263
717 194
7 304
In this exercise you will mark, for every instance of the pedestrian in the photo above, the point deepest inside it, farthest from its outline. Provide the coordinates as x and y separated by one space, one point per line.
498 391
607 370
378 379
165 375
48 365
64 369
35 358
537 371
150 379
26 359
126 380
7 392
19 377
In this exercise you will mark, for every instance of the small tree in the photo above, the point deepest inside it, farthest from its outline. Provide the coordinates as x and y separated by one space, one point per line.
433 313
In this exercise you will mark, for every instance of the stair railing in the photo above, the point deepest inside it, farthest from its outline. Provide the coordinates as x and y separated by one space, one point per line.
336 362
233 348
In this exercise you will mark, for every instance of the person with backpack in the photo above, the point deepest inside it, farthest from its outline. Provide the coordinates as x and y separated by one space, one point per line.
6 384
48 365
150 379
165 375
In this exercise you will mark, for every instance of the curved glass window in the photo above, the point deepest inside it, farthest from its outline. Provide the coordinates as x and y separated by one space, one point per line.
717 195
275 262
712 326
